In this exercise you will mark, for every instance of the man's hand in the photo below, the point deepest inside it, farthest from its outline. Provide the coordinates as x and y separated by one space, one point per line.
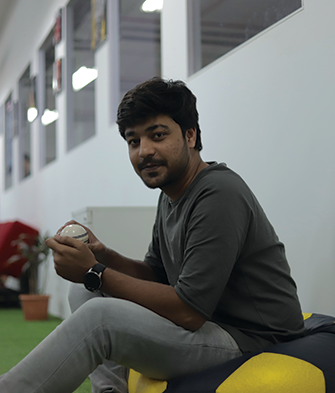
95 245
72 258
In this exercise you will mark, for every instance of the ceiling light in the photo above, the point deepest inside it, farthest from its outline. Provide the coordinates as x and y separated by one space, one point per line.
152 5
83 77
31 114
49 117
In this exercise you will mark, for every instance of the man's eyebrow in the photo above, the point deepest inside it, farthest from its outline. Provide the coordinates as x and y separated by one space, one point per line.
154 126
130 133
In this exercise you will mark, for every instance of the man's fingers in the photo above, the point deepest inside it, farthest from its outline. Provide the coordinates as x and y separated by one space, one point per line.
51 243
57 243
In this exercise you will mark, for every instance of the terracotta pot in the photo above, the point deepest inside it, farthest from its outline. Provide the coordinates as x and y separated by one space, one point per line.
35 307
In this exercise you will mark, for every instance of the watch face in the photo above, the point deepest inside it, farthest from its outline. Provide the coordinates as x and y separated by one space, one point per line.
92 281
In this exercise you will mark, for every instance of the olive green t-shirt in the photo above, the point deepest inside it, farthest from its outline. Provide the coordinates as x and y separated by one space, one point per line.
217 248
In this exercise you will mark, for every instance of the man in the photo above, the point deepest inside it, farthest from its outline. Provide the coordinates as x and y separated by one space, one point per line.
214 283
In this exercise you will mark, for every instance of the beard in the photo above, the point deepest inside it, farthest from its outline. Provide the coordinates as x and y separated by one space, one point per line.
168 173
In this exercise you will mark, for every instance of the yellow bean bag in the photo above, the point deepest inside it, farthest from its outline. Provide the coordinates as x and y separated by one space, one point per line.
305 365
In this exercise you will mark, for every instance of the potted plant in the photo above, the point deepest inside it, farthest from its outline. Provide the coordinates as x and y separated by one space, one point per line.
34 250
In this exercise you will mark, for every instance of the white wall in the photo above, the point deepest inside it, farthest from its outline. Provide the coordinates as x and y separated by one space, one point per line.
266 109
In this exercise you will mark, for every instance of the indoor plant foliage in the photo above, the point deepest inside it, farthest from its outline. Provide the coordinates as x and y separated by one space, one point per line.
34 250
36 253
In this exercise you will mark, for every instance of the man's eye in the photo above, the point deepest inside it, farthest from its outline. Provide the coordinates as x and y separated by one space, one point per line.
159 135
133 142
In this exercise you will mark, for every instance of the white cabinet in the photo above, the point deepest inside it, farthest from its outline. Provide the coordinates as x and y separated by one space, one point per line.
127 230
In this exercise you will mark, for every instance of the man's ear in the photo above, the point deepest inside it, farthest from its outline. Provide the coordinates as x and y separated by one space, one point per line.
191 137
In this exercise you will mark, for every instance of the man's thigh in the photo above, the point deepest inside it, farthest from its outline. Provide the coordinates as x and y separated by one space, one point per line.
154 346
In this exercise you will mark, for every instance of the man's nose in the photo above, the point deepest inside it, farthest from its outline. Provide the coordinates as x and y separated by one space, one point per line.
146 148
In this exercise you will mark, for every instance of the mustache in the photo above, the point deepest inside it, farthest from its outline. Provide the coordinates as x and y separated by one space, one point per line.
150 162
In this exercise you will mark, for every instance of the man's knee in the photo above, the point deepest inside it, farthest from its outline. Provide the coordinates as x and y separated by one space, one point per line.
111 312
78 295
94 314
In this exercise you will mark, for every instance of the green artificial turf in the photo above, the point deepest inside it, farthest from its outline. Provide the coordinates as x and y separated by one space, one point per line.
18 337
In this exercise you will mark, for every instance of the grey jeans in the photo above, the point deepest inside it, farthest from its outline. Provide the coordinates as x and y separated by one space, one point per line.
104 337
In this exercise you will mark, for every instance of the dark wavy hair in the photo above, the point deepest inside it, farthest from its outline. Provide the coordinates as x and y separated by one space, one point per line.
160 97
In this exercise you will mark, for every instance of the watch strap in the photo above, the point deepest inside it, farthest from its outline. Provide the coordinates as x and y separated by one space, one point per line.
98 268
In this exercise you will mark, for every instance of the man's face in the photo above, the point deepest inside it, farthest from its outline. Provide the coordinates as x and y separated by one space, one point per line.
158 151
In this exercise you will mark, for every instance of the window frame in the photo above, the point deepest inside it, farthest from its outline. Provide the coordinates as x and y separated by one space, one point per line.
41 101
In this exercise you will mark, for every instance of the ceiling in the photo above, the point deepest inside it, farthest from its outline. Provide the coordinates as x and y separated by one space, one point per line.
6 7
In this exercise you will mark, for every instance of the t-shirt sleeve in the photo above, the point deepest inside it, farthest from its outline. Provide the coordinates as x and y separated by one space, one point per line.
215 234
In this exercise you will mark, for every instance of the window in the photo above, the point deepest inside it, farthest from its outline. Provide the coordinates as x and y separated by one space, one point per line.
9 134
82 73
26 101
218 26
140 50
48 102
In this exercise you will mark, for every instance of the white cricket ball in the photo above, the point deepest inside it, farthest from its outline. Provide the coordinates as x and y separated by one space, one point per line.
75 231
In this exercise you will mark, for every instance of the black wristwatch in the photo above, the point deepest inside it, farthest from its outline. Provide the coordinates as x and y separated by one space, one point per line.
93 278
